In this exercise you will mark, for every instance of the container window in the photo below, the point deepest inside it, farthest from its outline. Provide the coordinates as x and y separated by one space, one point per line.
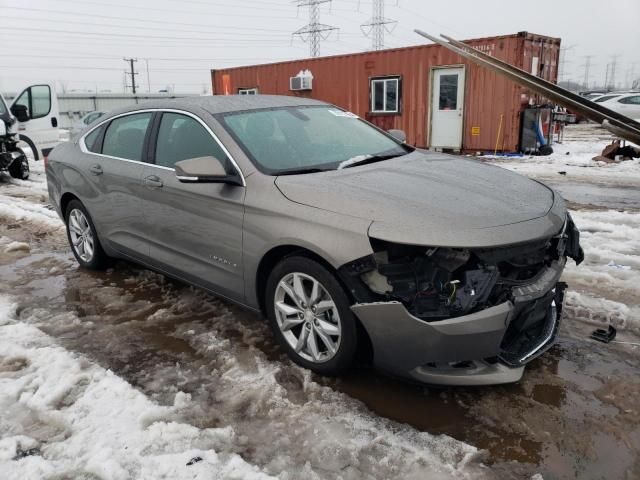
248 91
385 95
448 92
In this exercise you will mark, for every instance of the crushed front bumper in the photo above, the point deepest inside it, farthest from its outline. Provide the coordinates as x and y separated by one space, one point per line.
487 347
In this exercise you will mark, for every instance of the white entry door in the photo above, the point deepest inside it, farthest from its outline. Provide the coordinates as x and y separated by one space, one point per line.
447 104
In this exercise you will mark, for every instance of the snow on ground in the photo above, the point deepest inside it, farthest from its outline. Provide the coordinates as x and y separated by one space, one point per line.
575 158
62 416
605 288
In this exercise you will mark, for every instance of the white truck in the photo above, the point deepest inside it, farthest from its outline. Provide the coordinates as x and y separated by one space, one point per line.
31 119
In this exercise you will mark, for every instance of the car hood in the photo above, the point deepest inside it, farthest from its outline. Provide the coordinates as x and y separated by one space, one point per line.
435 199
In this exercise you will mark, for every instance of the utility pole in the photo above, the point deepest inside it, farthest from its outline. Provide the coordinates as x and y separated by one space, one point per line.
587 67
314 31
146 61
377 24
133 73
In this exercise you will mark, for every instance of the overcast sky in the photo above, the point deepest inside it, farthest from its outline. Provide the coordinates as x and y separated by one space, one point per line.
80 44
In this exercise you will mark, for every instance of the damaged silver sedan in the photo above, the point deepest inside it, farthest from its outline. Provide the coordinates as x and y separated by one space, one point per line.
443 269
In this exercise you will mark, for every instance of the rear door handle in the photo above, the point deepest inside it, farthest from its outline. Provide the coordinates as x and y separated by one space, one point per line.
152 181
96 170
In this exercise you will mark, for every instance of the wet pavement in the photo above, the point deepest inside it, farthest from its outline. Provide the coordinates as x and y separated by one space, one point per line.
574 415
588 194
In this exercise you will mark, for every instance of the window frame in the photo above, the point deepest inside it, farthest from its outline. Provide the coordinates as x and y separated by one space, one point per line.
152 133
384 79
248 91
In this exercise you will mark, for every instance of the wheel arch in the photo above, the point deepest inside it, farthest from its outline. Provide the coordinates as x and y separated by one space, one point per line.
271 258
65 199
32 145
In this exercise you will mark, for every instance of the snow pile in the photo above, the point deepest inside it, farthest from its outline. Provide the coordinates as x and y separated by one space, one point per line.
64 417
611 241
575 159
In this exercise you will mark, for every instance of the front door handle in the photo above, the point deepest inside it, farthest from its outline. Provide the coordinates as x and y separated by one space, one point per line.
152 181
96 170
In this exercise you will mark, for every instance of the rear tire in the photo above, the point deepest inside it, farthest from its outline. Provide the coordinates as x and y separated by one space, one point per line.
310 315
83 238
19 168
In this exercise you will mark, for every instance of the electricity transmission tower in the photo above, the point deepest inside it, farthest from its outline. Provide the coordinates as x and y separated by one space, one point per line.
377 24
610 81
314 31
587 67
562 73
133 73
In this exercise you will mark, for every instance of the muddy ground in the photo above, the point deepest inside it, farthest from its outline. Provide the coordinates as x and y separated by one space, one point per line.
574 415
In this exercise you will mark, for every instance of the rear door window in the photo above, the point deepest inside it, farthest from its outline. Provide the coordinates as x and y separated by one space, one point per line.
181 137
124 137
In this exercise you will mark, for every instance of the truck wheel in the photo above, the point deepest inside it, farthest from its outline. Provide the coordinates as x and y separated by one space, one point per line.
310 315
83 237
19 168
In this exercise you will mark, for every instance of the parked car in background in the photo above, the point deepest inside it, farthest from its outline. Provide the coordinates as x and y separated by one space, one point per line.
627 104
343 236
606 97
88 119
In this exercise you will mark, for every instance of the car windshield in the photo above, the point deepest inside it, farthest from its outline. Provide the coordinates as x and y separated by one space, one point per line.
308 139
3 107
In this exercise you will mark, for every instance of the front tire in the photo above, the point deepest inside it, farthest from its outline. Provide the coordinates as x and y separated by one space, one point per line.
19 168
83 237
310 315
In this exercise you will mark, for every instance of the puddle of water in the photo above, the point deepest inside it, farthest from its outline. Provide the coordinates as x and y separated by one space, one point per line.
567 418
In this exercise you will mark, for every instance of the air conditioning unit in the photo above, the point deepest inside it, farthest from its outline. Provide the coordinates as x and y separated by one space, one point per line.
300 83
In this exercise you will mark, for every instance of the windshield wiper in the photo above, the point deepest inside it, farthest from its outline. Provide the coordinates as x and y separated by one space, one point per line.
370 159
299 171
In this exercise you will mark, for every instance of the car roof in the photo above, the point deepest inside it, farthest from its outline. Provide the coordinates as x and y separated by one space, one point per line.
215 104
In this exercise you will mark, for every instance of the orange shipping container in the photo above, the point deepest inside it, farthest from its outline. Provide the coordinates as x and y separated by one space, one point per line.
438 98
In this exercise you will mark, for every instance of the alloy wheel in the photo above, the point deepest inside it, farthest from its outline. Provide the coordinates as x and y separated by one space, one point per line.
81 235
307 317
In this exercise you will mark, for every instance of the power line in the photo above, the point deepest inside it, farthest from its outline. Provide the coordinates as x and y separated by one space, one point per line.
314 31
128 35
145 20
162 29
377 25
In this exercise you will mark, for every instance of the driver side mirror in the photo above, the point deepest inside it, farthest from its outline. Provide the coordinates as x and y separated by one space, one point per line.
20 112
204 170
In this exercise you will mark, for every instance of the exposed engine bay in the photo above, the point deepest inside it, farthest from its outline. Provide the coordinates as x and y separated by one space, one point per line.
435 283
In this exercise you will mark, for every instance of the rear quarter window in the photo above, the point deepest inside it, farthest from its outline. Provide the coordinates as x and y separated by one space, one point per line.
92 140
